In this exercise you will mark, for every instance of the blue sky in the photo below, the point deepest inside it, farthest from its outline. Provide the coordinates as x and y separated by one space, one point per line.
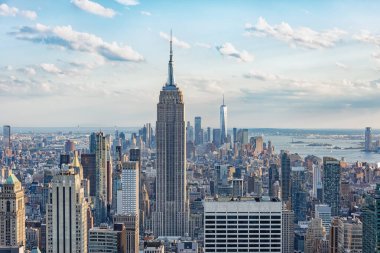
285 64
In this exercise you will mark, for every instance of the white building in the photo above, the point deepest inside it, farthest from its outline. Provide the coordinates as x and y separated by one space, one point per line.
66 217
245 225
130 189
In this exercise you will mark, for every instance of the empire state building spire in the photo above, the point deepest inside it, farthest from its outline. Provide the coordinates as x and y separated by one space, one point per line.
170 81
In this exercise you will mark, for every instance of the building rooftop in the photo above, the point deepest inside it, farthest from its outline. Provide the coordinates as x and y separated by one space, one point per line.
12 179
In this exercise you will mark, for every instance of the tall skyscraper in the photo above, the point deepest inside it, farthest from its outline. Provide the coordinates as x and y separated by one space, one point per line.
317 182
198 130
130 188
273 178
171 217
234 130
241 221
331 184
98 146
216 137
287 230
6 137
189 132
371 222
66 217
88 162
12 215
223 123
299 193
368 139
208 134
285 176
336 238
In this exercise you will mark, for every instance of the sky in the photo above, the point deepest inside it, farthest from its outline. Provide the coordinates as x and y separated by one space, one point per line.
279 64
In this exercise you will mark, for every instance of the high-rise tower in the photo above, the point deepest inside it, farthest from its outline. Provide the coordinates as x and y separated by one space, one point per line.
223 123
171 216
331 184
6 137
66 217
12 215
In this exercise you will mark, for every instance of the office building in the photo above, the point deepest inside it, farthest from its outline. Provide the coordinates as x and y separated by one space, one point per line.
216 137
154 247
273 177
368 139
234 133
130 188
198 130
88 162
99 147
285 177
298 193
69 146
242 225
131 223
287 230
6 137
314 236
371 222
189 132
353 235
171 217
223 123
331 184
105 239
242 136
323 212
66 216
336 237
317 182
12 215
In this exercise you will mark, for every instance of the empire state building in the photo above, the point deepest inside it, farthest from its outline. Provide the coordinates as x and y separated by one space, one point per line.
171 217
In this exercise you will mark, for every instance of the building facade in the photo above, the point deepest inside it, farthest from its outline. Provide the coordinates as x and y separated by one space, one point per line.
66 217
12 214
171 217
245 225
331 184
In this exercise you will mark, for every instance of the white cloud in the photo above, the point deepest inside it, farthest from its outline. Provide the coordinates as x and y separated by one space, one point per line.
204 45
376 55
29 14
227 49
176 41
261 76
146 13
341 65
302 36
51 68
6 10
366 36
94 8
128 2
67 38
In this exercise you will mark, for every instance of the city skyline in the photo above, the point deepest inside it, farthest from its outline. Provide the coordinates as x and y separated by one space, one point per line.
260 59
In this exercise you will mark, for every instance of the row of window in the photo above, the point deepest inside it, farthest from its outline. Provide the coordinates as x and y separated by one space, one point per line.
242 217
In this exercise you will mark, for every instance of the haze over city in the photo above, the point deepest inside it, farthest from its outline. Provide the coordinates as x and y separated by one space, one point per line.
290 64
